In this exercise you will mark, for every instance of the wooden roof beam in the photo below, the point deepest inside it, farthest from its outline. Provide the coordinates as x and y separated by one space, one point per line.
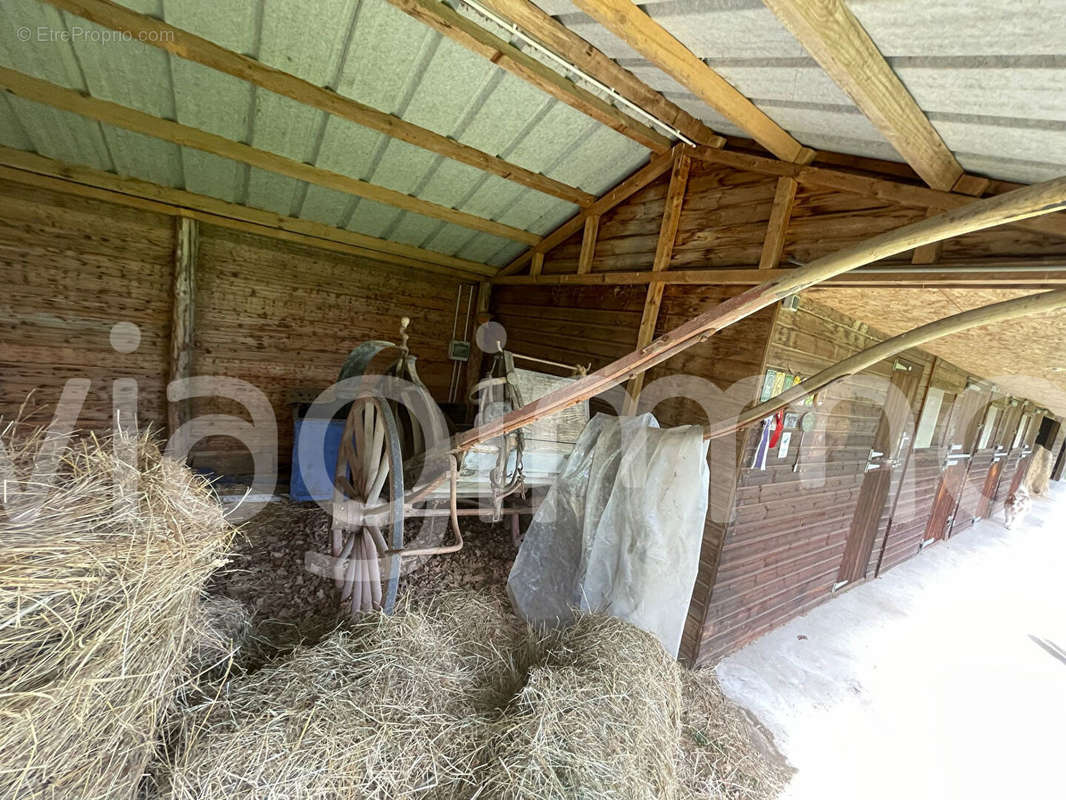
883 189
843 48
455 26
559 39
50 94
1014 274
628 22
194 48
1041 198
608 200
47 173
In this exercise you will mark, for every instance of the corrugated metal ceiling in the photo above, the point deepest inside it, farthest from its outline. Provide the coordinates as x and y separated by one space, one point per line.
988 74
363 49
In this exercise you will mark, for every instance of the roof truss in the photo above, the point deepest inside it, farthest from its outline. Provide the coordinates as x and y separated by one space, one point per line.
195 48
628 22
105 111
844 49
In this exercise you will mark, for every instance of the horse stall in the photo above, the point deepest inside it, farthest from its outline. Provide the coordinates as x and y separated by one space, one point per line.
401 397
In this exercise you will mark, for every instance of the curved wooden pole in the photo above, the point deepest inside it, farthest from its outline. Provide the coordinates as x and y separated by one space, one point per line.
1029 201
985 315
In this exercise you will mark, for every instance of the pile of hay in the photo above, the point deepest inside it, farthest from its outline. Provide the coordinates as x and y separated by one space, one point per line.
599 717
446 701
388 709
102 561
725 754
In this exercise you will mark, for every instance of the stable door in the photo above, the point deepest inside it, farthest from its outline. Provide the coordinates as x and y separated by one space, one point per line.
892 443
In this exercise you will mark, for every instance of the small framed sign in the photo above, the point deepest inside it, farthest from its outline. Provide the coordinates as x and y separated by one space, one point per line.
458 350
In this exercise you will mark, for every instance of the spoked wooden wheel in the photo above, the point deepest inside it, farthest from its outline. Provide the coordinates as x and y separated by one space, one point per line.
368 507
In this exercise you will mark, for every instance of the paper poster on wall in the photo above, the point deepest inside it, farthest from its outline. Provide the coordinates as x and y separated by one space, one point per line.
782 450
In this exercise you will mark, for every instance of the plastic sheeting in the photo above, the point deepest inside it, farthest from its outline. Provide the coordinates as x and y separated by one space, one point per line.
620 531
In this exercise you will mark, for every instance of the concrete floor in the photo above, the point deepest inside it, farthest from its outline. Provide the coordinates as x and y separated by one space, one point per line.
927 682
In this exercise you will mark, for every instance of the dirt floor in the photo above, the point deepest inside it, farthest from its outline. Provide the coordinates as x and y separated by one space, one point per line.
725 753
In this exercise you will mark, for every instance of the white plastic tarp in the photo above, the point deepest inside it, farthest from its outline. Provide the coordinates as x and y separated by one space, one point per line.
620 530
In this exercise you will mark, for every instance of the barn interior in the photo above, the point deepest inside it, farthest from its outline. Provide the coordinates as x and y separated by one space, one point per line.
393 280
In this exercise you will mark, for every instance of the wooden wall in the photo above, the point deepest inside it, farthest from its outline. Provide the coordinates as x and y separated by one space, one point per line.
72 268
782 551
284 316
598 324
278 315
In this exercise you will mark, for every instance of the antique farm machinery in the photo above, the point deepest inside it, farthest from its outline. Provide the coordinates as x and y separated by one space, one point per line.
397 460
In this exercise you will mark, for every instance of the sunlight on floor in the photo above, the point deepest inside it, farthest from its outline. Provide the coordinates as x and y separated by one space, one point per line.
927 682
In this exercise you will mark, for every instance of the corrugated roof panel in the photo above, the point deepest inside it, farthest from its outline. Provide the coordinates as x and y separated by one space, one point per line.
963 27
385 48
325 205
62 135
401 166
448 88
1011 169
372 218
505 255
1041 142
556 134
29 42
584 166
11 132
211 100
992 86
449 239
506 115
273 192
482 247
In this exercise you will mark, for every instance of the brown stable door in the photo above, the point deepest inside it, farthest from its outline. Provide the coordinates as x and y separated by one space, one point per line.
891 443
964 429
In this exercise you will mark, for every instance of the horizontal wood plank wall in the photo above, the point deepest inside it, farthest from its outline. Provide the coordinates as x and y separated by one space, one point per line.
782 552
594 324
72 268
284 316
275 314
724 222
903 537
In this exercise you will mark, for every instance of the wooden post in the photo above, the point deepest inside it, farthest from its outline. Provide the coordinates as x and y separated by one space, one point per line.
664 249
183 317
1030 201
774 243
537 265
481 316
588 244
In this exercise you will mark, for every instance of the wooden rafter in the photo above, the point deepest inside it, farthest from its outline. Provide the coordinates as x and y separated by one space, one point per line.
631 24
776 229
612 197
50 94
194 48
1016 275
664 249
455 26
1031 201
891 191
565 43
47 173
588 244
843 48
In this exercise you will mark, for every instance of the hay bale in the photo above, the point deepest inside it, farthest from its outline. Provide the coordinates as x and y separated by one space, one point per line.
598 717
388 709
221 626
101 569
